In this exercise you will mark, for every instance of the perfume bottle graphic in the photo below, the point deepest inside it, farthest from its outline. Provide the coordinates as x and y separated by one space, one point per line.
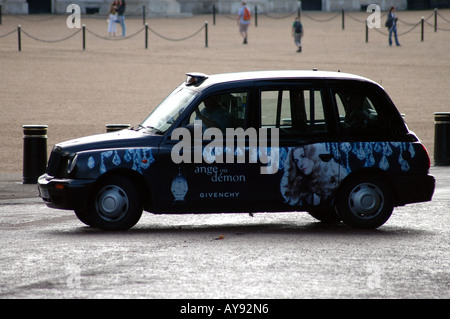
179 186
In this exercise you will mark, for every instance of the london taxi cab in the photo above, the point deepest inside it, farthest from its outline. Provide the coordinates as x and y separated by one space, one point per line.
328 143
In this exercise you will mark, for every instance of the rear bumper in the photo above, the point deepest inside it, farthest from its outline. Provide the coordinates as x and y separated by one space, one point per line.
64 193
414 189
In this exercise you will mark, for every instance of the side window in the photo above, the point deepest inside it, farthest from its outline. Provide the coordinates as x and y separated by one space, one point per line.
275 109
227 110
315 114
357 111
293 111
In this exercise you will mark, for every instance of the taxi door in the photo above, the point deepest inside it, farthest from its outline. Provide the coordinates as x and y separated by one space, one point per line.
204 161
308 172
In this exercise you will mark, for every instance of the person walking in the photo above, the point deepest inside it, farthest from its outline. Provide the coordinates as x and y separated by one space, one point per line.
391 23
297 33
243 22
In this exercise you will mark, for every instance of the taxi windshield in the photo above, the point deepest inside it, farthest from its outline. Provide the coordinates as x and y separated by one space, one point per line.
168 111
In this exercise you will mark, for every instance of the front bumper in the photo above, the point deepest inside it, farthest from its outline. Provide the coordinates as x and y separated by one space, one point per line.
414 188
64 193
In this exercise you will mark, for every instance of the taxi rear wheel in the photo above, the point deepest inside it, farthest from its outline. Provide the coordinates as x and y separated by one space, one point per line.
115 204
365 201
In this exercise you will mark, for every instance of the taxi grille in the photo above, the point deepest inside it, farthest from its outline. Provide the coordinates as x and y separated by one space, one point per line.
54 161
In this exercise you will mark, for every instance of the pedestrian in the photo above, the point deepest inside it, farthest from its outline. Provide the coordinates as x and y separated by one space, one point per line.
391 24
297 33
112 19
243 22
121 15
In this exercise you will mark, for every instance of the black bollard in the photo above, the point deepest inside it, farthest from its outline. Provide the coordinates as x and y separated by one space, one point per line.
34 152
441 139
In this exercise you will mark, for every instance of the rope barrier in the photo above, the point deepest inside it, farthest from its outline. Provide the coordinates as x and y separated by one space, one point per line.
179 39
399 34
320 20
84 29
115 38
7 33
439 14
288 15
50 41
407 23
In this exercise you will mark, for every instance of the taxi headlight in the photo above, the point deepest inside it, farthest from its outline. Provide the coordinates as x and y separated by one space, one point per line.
72 164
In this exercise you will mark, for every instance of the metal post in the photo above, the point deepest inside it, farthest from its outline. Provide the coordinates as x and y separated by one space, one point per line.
214 14
34 152
343 19
421 32
84 37
0 14
367 32
435 20
19 39
256 16
143 14
146 36
206 34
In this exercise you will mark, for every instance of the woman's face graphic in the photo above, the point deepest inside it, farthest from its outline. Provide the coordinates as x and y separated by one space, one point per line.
303 163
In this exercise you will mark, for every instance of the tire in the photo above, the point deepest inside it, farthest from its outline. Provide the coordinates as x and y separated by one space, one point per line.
115 204
325 215
365 201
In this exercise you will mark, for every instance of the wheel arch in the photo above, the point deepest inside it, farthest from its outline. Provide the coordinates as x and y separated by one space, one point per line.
133 176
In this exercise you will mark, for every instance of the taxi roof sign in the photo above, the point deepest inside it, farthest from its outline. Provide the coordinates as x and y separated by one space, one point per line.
194 78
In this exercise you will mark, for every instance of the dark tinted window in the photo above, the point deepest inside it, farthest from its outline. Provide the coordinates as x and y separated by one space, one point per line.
360 112
225 110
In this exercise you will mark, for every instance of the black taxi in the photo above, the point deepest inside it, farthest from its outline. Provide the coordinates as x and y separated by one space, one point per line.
328 143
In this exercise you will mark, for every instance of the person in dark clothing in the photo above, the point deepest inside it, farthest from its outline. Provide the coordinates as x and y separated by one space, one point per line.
121 16
297 33
392 25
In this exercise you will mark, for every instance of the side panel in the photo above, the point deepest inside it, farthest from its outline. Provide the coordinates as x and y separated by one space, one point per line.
92 164
296 187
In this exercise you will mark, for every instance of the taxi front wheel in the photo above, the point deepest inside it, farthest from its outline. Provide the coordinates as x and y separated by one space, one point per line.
115 204
365 201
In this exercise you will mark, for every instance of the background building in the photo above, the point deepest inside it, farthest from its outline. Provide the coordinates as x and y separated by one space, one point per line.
182 7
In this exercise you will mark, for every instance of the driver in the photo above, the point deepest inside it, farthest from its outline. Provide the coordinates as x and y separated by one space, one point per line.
214 115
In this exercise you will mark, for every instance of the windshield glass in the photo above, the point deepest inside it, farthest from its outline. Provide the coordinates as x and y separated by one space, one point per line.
170 108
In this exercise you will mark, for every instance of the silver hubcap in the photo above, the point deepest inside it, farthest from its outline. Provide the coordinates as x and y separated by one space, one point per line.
112 203
366 201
